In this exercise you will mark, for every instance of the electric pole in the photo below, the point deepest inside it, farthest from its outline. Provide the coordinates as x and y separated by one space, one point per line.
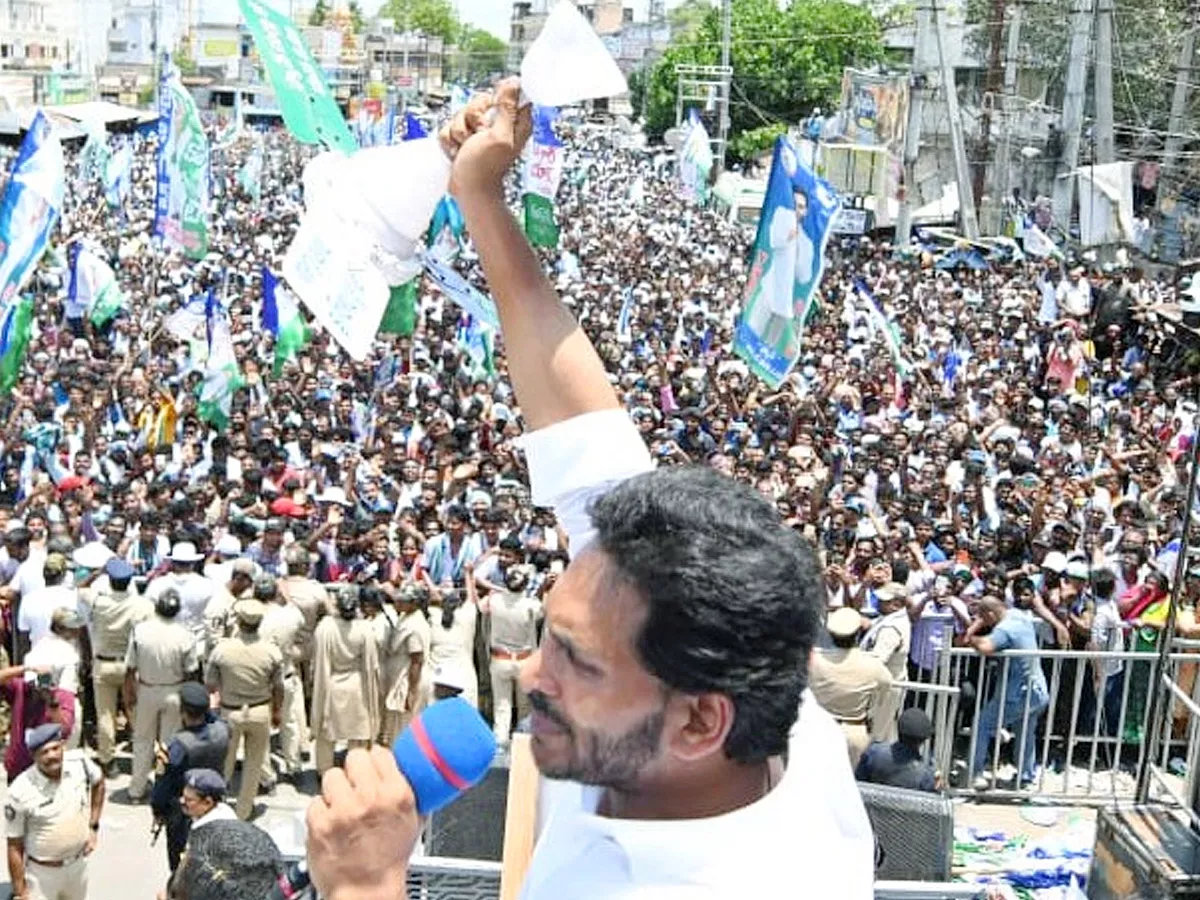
1011 103
1105 150
1072 116
983 185
1179 98
962 172
917 87
726 39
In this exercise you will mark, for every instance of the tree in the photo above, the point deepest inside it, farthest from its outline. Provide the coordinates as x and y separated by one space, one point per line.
480 55
785 61
357 22
687 18
320 14
435 18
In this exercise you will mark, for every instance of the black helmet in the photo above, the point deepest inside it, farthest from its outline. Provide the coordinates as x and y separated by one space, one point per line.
347 604
167 603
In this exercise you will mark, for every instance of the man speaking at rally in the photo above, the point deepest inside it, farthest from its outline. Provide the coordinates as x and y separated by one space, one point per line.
673 666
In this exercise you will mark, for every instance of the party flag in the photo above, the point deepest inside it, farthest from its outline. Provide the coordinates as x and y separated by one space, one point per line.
222 377
786 266
93 289
181 208
886 327
400 317
14 339
542 174
29 206
281 316
695 161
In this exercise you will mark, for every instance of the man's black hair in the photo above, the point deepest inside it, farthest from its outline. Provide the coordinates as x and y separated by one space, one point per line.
733 597
227 860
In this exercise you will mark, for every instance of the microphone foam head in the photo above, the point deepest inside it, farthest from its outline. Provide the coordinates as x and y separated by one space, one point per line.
446 749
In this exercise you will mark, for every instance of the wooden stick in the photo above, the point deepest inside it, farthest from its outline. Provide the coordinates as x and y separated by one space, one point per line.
520 818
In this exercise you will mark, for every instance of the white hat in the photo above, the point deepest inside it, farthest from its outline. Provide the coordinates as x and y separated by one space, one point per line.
334 495
1077 568
92 555
449 676
228 545
1055 562
185 552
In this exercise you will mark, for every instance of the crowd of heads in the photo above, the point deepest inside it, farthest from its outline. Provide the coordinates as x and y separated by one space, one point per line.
1029 437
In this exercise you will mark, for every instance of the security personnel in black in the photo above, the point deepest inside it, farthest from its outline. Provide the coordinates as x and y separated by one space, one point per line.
900 764
201 744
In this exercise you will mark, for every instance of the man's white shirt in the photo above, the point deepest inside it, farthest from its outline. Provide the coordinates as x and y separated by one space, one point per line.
809 833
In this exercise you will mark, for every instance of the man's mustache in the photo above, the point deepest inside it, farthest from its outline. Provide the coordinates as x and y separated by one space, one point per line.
541 705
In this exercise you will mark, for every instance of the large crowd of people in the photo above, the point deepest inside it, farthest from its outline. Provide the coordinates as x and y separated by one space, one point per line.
361 538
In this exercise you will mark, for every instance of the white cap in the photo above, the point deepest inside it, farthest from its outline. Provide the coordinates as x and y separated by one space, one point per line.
1055 562
228 545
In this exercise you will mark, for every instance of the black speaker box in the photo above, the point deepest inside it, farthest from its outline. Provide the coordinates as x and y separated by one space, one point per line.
472 827
914 833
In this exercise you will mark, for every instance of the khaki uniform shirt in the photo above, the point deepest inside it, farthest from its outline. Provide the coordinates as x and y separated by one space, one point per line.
218 615
311 598
282 625
245 669
162 650
113 614
849 684
53 817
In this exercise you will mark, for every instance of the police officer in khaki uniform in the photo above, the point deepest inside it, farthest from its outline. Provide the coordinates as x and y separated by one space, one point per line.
161 656
218 615
115 610
514 619
247 670
52 818
849 683
313 601
282 624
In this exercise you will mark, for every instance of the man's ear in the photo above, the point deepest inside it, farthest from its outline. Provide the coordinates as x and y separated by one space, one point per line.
700 724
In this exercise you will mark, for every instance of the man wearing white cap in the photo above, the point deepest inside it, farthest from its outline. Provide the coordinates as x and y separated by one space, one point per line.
195 590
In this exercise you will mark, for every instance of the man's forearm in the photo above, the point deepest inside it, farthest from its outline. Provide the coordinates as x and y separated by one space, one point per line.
16 869
555 370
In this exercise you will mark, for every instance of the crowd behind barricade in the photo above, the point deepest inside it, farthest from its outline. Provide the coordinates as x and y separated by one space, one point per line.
360 538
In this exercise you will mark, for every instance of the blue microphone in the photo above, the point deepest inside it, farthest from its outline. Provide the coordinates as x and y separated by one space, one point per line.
447 749
444 751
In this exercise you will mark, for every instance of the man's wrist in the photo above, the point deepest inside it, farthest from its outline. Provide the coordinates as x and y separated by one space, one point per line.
389 888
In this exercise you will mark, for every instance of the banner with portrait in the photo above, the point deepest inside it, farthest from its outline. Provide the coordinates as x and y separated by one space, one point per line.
874 109
798 214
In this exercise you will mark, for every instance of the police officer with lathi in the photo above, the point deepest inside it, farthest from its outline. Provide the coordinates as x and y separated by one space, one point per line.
201 744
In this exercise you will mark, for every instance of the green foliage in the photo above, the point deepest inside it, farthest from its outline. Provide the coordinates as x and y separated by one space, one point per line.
785 61
751 143
357 22
320 14
480 55
435 18
687 18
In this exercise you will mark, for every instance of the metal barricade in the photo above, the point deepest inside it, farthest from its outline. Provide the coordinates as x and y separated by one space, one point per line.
444 878
1086 738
